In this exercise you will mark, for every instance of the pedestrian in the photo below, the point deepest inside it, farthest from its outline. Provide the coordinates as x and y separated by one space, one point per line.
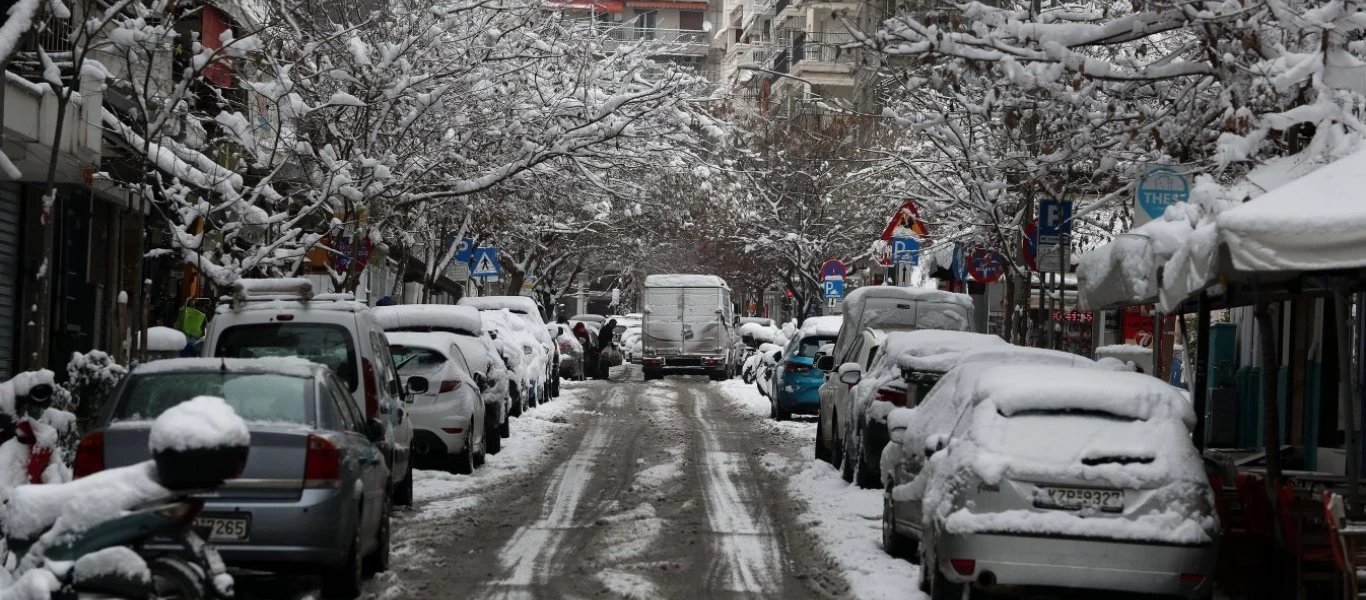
605 348
590 357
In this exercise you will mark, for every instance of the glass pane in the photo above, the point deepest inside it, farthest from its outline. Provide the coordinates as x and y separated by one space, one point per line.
255 396
328 345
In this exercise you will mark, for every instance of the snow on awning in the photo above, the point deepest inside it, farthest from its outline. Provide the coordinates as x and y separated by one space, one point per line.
1124 272
1314 223
702 6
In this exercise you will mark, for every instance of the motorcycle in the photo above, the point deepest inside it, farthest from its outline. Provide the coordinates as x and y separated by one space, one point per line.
124 533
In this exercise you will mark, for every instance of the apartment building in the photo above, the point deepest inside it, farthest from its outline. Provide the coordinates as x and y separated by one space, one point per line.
678 31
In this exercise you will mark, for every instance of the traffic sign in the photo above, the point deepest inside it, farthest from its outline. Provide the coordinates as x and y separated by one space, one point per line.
959 266
1029 245
344 249
466 251
905 223
834 289
1055 221
1159 188
833 269
985 265
486 263
905 251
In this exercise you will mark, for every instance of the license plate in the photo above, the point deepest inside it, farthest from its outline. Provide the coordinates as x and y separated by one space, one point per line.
1080 498
223 529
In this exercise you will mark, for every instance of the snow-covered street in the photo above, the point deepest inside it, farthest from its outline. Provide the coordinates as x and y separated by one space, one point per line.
668 489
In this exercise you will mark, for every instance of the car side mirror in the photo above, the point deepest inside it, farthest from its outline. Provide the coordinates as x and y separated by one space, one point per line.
374 430
935 443
826 363
418 385
777 355
851 375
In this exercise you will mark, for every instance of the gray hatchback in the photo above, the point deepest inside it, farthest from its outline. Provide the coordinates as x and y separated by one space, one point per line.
312 497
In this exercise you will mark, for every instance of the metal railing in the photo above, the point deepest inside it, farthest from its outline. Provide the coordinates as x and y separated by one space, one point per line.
780 62
824 47
632 33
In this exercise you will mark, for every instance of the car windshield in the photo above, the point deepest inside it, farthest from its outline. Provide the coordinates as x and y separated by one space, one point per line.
1054 437
254 396
322 343
812 344
413 361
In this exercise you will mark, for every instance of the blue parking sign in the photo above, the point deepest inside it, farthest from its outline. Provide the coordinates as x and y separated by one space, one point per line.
834 289
1055 221
905 251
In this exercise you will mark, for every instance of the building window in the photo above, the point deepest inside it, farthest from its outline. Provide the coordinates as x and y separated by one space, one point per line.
646 21
689 20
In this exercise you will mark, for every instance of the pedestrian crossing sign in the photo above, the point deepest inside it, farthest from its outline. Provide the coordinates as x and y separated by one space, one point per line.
486 263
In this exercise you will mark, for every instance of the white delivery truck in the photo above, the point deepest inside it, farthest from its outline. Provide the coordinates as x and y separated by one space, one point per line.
687 327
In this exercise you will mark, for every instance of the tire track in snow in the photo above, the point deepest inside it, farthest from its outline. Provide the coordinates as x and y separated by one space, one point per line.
526 557
748 559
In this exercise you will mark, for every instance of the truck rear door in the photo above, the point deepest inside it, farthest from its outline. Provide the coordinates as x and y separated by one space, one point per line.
663 331
703 332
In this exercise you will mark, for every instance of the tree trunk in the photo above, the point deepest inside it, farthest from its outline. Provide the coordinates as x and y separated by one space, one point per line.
514 281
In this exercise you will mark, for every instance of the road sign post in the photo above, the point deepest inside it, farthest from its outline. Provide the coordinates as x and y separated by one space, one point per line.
486 264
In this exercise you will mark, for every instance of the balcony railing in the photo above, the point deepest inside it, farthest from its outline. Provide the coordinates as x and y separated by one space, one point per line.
780 62
824 47
632 33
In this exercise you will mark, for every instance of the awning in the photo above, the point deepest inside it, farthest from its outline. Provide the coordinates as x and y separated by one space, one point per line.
702 6
603 6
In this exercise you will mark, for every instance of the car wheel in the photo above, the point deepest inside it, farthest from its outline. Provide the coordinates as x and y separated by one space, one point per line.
514 401
493 435
852 458
462 462
505 430
175 579
378 561
836 444
943 589
894 543
784 415
403 495
867 474
822 450
343 582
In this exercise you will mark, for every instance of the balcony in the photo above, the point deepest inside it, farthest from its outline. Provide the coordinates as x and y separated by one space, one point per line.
669 41
826 54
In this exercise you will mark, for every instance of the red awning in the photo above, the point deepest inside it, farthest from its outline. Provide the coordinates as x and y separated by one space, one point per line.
661 4
603 6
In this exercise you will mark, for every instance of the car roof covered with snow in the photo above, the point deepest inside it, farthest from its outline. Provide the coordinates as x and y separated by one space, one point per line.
521 305
284 365
685 280
465 319
1020 388
993 353
822 326
861 295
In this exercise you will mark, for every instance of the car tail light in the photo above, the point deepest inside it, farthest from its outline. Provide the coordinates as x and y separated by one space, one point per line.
963 566
371 388
1192 578
565 347
654 361
450 385
452 430
89 455
284 317
796 368
322 463
896 397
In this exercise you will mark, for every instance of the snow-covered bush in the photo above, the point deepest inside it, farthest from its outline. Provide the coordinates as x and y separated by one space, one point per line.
91 377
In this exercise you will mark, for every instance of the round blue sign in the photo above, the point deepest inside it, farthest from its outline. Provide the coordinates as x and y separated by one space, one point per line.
1161 187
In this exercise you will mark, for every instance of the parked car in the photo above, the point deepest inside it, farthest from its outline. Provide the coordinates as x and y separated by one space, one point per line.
869 312
631 343
881 388
527 357
571 351
274 318
796 378
909 428
530 313
448 411
314 495
478 348
688 327
1056 477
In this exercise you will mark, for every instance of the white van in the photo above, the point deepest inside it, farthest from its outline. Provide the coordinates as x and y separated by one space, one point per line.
687 327
283 317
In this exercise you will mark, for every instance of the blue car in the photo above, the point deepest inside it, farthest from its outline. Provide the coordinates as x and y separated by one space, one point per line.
796 380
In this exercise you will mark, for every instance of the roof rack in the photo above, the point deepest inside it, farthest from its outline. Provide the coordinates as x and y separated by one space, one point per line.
296 289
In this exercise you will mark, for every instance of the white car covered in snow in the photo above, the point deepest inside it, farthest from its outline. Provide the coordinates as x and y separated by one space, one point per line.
447 408
881 389
526 356
529 313
1059 477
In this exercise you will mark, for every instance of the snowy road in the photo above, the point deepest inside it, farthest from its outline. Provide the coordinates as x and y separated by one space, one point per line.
624 489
